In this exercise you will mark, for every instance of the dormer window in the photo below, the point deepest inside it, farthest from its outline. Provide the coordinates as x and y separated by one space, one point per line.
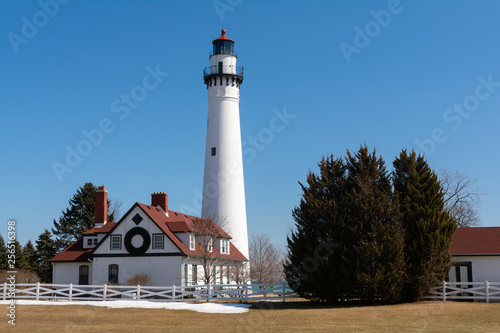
192 242
210 244
91 241
224 246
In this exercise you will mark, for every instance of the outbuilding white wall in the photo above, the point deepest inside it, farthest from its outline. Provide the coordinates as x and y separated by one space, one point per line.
484 268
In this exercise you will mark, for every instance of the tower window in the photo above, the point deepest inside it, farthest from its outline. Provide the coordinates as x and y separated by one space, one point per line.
214 151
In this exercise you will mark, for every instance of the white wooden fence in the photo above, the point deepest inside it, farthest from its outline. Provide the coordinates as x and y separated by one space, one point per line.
478 291
104 292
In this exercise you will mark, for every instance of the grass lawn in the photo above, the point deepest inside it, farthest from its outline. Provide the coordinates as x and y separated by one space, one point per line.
263 317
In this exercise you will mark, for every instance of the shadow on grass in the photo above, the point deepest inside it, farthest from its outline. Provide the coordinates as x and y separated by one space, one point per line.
310 305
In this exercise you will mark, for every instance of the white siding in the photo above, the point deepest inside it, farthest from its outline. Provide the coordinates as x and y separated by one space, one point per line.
484 268
68 272
164 271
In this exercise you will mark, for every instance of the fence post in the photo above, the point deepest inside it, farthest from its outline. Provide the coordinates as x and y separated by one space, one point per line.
173 293
105 292
37 291
5 291
283 291
70 292
138 292
246 292
487 291
444 290
209 293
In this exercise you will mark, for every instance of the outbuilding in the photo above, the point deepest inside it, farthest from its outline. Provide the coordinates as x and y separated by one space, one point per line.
475 255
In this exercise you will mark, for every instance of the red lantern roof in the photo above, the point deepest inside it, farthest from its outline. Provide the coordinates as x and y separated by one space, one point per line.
223 36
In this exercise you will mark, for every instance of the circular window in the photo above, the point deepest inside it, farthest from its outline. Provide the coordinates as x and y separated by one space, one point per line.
146 241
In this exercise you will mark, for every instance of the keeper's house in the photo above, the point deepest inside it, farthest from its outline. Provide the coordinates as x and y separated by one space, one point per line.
151 240
475 253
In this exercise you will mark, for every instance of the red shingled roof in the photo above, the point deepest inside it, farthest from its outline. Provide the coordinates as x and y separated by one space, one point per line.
476 241
74 252
184 223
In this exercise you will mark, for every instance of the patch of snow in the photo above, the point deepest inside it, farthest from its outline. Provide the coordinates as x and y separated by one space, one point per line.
198 307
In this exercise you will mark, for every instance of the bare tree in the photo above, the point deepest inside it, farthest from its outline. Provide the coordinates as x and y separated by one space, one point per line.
115 207
461 197
266 262
209 234
239 272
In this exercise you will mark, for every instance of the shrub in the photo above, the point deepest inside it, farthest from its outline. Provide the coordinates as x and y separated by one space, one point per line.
138 279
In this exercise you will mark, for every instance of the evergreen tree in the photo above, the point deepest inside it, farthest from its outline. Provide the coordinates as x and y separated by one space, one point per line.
78 217
374 221
46 250
18 254
317 267
30 258
348 243
428 227
3 254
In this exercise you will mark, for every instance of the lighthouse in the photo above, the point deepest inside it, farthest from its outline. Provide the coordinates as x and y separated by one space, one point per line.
223 183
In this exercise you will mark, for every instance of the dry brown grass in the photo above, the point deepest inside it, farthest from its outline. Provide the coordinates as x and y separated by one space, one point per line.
264 317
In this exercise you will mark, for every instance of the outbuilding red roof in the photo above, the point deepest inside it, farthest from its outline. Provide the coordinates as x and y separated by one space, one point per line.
476 241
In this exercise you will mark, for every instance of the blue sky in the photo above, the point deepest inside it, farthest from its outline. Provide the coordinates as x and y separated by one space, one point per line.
393 75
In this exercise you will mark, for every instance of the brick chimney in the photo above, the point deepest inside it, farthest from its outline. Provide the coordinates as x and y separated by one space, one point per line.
101 206
160 199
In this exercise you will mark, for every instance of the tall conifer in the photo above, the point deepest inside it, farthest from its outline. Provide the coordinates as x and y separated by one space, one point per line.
317 267
348 243
78 217
374 220
428 227
46 250
3 254
30 258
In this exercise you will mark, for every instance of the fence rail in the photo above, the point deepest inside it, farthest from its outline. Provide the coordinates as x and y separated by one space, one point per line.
105 292
479 291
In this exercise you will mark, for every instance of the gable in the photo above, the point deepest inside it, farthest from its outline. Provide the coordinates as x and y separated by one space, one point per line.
135 233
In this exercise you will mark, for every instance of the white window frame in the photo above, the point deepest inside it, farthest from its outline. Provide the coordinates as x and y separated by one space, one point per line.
89 241
111 242
192 242
95 241
210 245
153 243
224 246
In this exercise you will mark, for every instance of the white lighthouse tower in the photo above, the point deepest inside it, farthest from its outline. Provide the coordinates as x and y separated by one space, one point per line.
223 184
